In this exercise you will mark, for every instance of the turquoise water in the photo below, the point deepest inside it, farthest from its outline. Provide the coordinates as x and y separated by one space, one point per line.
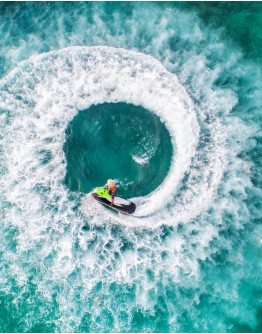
166 99
119 140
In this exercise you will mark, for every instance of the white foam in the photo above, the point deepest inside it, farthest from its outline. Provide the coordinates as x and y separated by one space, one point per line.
140 160
58 84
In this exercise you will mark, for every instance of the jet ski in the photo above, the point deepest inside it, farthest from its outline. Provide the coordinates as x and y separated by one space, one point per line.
122 205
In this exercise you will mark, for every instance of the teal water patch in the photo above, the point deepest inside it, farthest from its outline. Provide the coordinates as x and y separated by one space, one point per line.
240 21
117 141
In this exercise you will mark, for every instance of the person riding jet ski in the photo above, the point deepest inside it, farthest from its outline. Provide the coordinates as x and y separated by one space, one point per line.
111 187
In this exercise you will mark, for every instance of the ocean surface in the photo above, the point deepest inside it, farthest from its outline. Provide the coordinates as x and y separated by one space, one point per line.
164 98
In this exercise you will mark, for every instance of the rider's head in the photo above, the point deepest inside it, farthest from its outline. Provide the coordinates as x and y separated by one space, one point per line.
109 181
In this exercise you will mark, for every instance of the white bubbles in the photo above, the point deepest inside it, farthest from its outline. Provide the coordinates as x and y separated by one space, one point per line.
43 94
39 98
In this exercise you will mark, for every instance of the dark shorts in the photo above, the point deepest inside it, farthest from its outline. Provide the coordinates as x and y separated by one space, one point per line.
112 194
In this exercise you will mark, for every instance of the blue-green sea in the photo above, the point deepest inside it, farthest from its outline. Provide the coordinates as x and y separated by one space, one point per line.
164 98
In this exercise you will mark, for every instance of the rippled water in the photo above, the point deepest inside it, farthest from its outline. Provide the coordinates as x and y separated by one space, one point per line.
167 101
